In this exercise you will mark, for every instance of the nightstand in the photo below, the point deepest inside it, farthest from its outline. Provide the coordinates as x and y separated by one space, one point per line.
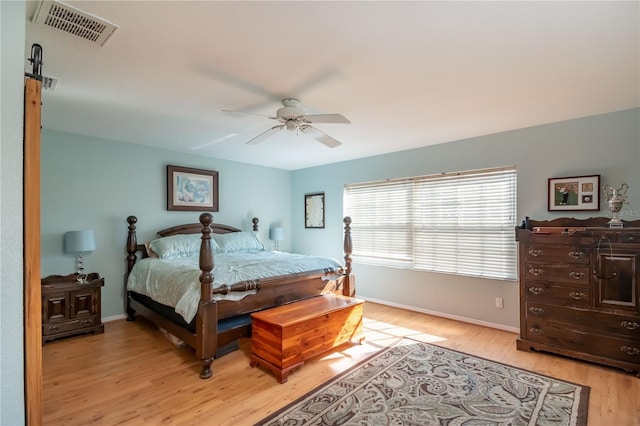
70 308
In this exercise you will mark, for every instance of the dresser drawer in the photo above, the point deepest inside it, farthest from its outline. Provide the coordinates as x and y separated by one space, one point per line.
584 342
564 295
557 254
55 328
630 238
584 320
574 275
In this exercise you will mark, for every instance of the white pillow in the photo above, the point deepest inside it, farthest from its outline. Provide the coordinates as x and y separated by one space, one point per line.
238 241
182 245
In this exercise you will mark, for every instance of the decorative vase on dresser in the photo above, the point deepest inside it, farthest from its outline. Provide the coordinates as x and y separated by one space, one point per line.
580 290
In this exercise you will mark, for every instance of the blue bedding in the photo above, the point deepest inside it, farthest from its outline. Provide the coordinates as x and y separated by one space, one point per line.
175 282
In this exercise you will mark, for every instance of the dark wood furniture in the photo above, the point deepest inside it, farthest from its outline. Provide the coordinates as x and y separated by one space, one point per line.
283 338
70 308
580 290
219 324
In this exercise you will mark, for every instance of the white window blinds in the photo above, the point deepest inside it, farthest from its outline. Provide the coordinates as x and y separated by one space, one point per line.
460 223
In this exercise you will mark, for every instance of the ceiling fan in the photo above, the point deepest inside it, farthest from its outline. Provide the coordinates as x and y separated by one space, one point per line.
292 117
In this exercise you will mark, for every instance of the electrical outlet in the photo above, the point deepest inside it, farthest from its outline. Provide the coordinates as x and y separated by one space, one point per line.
499 303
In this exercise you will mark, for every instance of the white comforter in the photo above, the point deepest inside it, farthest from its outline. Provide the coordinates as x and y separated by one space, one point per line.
175 282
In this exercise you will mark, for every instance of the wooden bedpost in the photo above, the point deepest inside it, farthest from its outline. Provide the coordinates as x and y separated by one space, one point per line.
255 221
207 317
132 243
206 257
349 286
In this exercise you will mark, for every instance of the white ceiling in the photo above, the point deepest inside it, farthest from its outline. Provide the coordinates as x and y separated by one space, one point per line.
407 74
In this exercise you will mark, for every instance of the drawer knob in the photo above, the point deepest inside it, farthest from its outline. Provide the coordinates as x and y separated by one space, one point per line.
577 275
536 290
535 252
577 254
630 350
577 295
536 271
629 325
536 311
537 331
54 328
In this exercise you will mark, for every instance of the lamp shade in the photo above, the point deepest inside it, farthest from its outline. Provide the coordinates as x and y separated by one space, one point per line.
277 234
79 241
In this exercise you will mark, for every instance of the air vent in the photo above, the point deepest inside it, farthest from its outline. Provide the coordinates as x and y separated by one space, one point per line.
74 21
49 82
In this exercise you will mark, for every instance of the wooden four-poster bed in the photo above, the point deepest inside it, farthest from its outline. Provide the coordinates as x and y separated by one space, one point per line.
217 323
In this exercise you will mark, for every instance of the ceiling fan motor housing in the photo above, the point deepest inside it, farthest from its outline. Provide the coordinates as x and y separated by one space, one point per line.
289 113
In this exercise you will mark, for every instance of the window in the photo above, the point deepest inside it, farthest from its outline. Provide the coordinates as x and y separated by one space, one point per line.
457 223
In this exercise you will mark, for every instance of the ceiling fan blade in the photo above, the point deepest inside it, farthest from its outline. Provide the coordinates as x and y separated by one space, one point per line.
326 118
320 136
250 113
262 136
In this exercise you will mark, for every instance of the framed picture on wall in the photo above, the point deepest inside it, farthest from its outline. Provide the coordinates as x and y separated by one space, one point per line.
314 210
192 189
574 193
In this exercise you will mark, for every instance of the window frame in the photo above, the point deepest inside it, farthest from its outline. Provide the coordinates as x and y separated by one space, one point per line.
495 237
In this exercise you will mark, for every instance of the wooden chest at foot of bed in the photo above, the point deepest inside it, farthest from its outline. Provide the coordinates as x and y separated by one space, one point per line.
283 338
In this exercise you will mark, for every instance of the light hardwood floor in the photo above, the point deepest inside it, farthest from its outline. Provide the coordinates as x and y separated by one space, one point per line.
132 375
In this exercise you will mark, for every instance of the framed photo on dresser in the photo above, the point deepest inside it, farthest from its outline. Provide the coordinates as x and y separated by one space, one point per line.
574 193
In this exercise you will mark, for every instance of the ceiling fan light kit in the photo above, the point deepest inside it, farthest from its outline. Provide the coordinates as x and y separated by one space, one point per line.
292 117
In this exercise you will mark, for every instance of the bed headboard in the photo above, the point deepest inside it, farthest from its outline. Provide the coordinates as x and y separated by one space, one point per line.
189 228
196 228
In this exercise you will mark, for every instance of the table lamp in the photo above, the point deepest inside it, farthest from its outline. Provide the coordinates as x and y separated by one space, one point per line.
79 242
276 234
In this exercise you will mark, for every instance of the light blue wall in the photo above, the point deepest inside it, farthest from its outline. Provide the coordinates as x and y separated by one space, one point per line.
90 183
12 40
606 145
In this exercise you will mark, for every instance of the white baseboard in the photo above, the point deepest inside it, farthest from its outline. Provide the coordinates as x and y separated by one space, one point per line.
114 318
443 315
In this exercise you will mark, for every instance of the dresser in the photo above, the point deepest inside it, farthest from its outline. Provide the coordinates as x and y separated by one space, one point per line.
70 308
580 290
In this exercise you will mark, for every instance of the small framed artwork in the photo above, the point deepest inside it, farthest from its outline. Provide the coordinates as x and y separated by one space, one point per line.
574 193
192 189
314 210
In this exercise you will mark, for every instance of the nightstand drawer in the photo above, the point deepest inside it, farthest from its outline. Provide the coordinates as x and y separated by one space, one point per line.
62 327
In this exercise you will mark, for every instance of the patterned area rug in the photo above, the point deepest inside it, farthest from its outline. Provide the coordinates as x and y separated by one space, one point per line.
415 383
